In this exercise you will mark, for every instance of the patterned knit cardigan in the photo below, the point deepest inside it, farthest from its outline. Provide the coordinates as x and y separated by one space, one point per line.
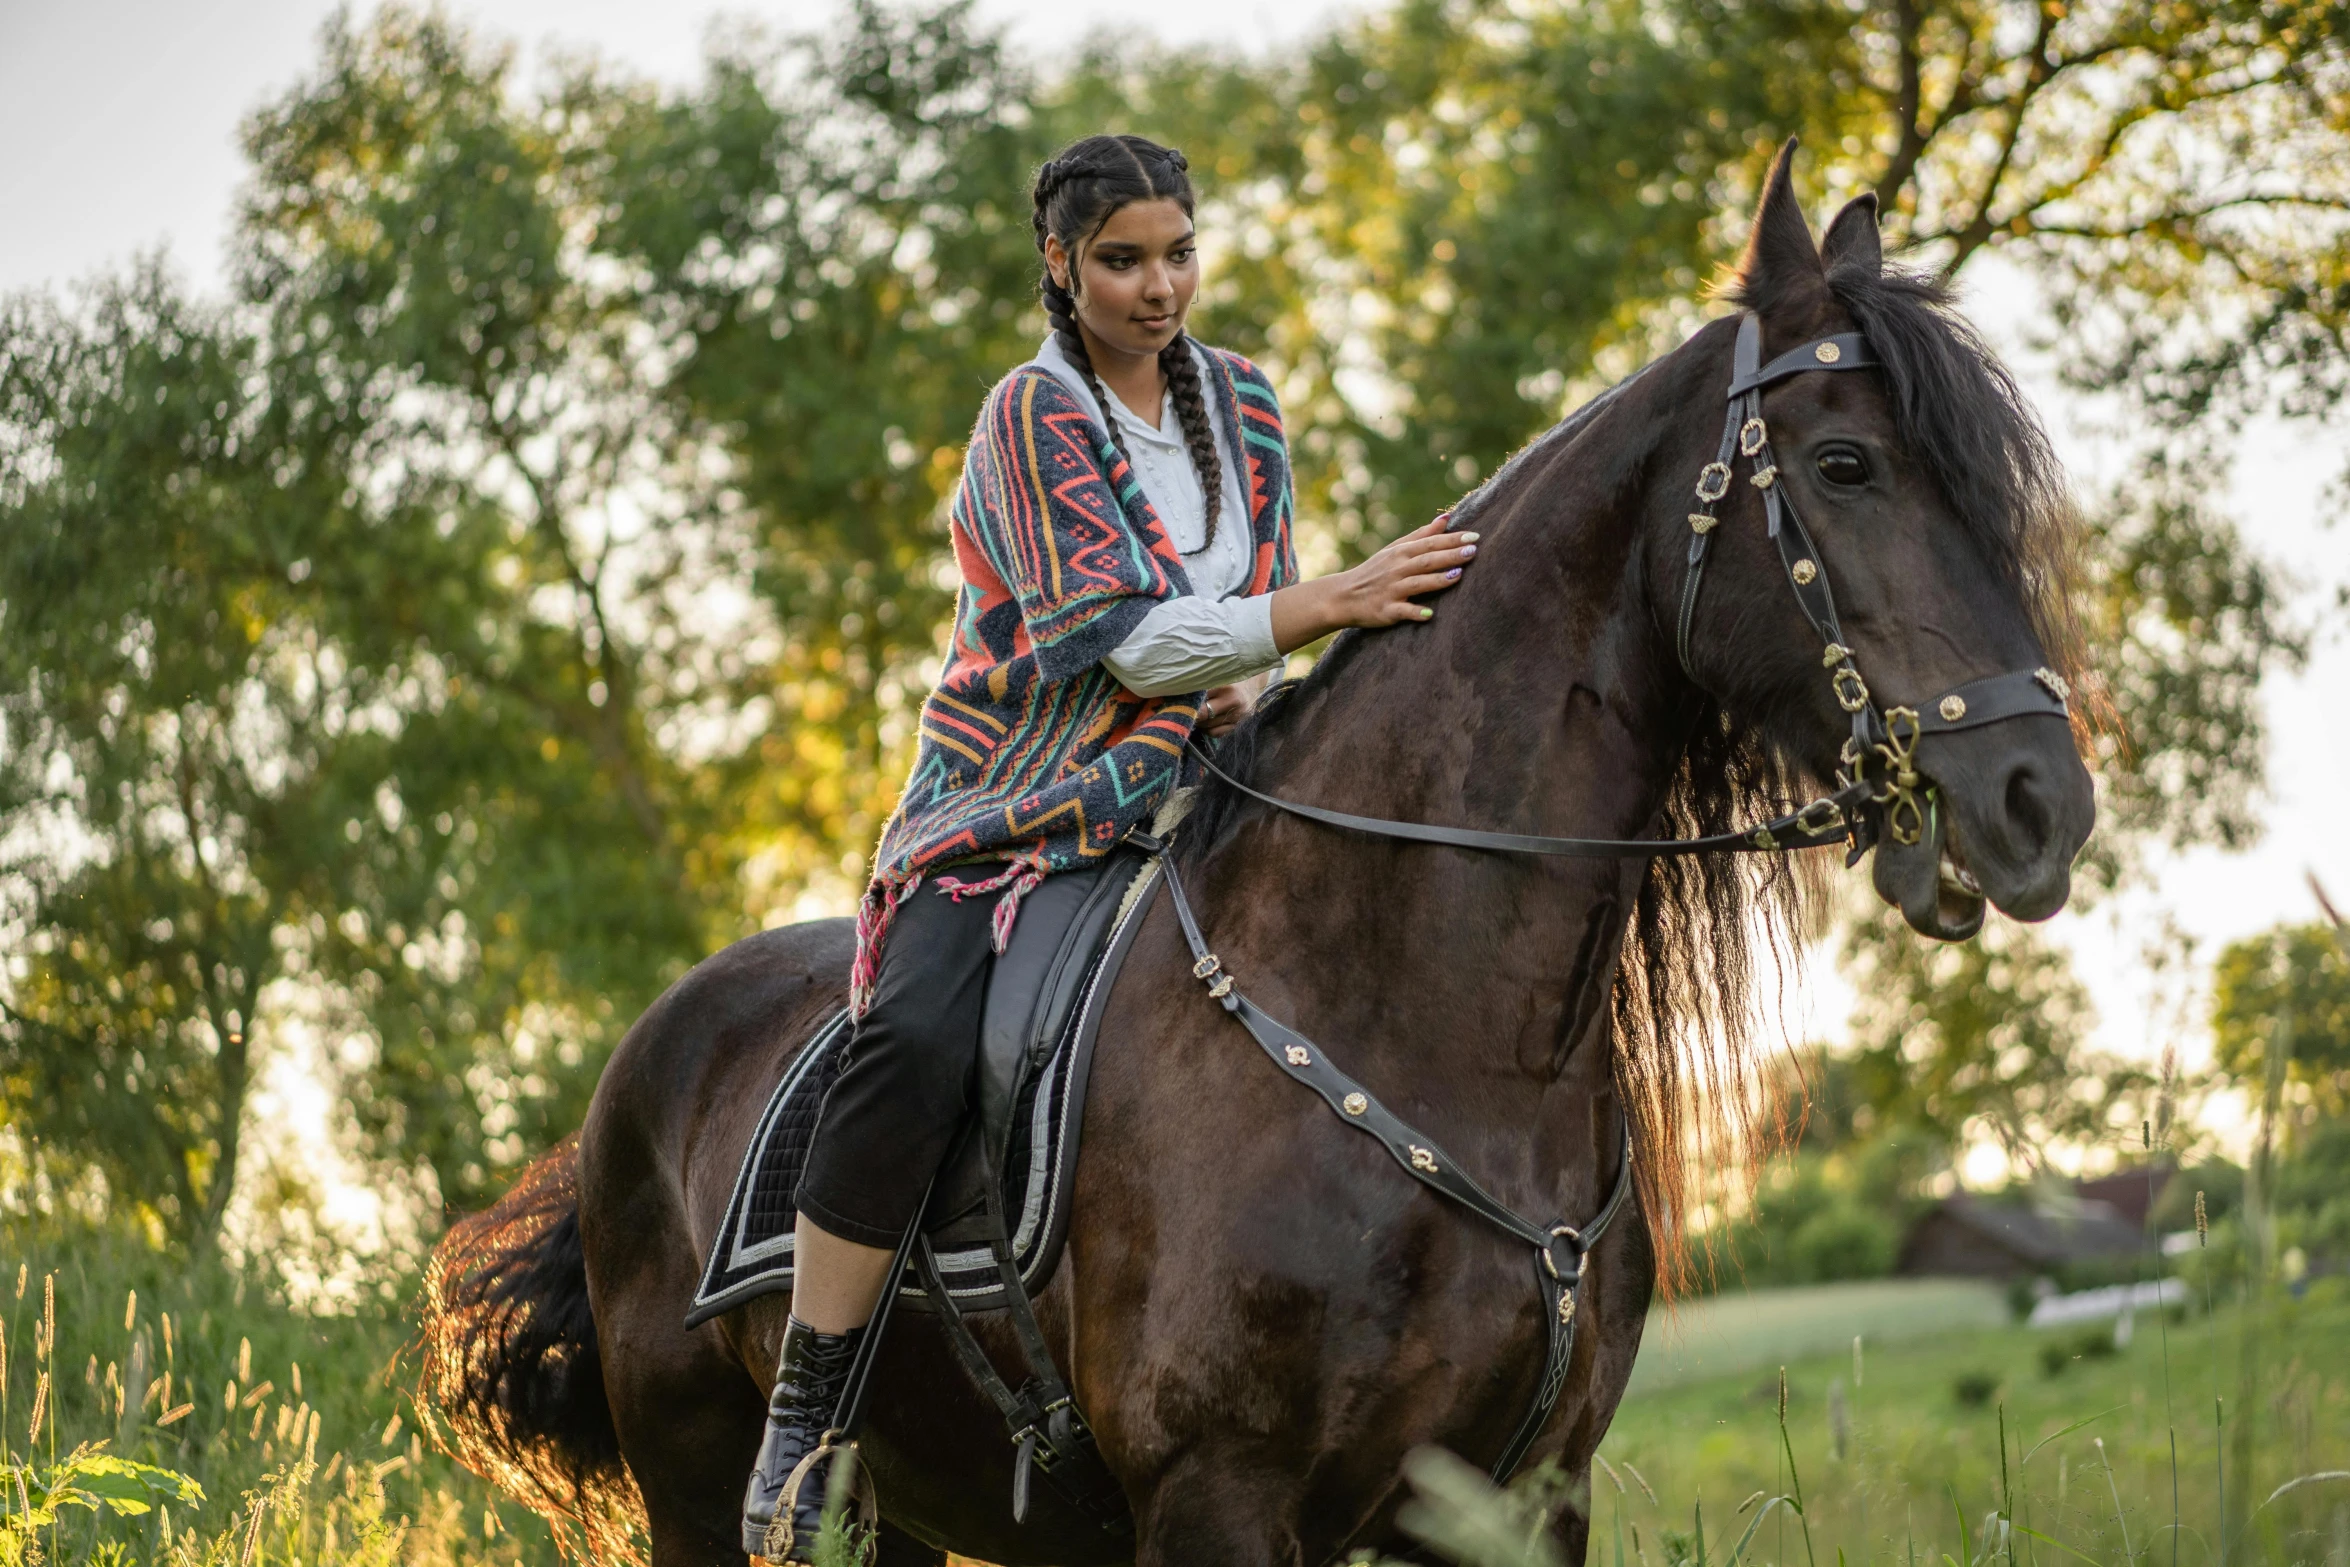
1031 754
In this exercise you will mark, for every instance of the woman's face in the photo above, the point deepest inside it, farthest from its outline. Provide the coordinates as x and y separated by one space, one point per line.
1136 278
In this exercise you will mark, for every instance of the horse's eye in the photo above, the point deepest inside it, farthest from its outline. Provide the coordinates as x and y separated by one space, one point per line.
1845 466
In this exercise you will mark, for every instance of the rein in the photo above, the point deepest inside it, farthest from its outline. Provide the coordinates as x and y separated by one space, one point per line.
1878 789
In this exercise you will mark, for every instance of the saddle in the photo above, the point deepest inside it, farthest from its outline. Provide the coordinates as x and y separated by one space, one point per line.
1041 1018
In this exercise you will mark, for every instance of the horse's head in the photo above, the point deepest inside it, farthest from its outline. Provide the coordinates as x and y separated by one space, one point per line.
1935 513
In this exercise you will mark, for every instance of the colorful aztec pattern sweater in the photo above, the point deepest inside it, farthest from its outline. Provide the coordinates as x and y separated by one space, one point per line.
1032 756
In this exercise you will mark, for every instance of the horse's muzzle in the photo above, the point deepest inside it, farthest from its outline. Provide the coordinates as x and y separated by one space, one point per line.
2011 807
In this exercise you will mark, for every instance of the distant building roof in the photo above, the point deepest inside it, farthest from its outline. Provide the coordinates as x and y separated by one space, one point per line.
1972 1237
2131 1194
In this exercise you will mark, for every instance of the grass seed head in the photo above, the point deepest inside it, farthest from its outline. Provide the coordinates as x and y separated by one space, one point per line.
2202 1224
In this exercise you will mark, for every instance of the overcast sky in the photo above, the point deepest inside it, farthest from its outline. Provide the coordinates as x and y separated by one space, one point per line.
119 122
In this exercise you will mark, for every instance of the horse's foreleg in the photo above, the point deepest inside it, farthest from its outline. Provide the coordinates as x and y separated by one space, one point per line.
1231 1508
896 1548
1572 1527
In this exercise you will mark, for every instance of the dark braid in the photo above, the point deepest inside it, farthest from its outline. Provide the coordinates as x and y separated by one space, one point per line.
1191 406
1076 193
1060 308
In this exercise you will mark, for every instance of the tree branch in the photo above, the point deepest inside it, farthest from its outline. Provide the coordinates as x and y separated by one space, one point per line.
1978 229
1908 107
606 731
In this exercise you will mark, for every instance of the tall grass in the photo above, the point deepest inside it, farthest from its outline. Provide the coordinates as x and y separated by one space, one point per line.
1987 1449
155 1410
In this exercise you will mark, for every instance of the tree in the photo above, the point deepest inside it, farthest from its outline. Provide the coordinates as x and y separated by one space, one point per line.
1981 1040
420 248
837 241
2288 987
592 568
181 745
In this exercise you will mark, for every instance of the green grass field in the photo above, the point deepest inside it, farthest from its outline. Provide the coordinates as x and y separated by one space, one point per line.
1952 1444
1947 1436
1722 1335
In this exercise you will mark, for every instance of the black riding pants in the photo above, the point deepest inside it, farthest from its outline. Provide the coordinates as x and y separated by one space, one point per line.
896 1107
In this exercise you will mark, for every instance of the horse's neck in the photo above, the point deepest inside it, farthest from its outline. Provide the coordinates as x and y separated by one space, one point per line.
1539 700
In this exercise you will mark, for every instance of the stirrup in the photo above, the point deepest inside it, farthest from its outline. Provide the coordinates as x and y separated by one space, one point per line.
862 1502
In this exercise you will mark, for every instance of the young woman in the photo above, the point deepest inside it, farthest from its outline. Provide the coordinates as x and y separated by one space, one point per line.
1123 530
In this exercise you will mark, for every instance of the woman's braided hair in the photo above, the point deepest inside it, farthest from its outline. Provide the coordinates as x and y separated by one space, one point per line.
1076 193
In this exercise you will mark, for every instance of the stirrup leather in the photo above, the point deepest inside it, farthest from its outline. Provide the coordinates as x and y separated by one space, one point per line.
862 1501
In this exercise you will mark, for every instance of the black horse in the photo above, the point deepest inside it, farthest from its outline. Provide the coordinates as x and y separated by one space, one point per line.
1260 1316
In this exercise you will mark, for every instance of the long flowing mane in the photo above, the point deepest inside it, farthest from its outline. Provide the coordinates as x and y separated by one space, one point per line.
1713 939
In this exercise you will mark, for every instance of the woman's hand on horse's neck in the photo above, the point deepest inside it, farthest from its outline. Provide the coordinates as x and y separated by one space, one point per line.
1382 591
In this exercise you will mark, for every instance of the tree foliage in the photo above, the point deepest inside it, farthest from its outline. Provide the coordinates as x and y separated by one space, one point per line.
176 774
1981 1041
2287 988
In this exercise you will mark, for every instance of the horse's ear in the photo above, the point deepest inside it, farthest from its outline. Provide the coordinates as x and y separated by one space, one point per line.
1781 265
1851 243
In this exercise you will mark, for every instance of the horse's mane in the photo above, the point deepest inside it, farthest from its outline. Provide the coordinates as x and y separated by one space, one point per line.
1687 1006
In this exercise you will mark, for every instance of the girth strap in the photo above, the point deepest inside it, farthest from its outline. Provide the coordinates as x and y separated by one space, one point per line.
1559 1249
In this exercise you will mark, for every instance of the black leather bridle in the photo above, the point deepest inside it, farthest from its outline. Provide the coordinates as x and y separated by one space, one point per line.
1878 789
1880 758
1878 782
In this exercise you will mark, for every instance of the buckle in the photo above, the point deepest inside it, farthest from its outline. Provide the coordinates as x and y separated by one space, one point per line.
1820 818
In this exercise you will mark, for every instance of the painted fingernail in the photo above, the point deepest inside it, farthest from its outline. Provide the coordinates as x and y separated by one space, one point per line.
1466 538
1456 571
1426 613
1470 549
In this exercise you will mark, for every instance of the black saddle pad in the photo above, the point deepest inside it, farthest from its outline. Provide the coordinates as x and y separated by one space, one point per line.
751 1255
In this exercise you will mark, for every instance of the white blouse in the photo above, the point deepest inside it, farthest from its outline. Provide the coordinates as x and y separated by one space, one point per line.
1216 634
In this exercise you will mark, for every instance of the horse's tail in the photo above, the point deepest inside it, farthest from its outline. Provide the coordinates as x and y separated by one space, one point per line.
512 1384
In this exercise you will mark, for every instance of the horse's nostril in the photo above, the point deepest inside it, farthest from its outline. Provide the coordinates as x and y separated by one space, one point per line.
2027 809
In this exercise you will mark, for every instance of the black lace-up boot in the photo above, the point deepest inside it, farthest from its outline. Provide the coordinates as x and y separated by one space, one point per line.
809 1376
